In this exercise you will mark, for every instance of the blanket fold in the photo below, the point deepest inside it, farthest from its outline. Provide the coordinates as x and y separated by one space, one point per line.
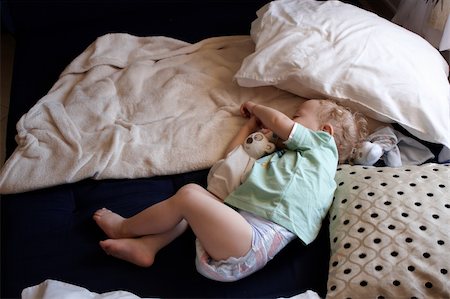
131 107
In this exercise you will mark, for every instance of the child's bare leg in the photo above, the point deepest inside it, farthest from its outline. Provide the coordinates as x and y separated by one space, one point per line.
141 251
155 219
222 231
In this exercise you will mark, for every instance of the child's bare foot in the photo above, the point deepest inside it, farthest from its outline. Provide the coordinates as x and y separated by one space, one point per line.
141 251
135 251
110 223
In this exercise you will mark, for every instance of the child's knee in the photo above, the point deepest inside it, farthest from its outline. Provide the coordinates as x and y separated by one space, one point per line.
190 190
191 196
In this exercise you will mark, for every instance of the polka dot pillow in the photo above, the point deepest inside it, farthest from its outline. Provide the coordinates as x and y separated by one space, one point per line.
390 232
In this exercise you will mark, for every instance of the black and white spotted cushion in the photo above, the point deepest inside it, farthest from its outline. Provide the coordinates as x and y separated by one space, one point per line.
390 232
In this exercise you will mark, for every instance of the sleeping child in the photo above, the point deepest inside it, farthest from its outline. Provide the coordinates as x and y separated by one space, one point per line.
286 195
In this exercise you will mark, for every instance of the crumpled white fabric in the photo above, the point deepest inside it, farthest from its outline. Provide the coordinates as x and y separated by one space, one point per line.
133 107
306 295
54 289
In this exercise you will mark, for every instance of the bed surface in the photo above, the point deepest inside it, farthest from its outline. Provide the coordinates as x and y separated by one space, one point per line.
49 233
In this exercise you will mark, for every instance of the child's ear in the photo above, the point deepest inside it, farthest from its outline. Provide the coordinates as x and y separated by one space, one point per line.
270 148
327 128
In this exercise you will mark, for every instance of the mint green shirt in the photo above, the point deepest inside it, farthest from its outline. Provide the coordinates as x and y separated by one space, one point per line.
293 187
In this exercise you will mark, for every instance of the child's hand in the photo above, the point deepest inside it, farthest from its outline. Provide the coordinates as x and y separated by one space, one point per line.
253 124
247 109
266 131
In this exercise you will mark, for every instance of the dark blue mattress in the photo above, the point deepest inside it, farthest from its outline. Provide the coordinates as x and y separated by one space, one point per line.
50 234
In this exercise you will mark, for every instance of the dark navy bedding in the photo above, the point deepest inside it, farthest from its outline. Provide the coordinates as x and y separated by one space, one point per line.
50 234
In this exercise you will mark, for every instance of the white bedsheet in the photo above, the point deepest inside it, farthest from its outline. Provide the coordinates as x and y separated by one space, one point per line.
130 107
54 289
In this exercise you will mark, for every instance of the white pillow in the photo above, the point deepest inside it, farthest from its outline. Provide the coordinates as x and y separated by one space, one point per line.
336 50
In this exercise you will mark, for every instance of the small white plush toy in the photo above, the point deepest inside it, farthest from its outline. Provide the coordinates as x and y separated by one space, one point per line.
393 148
228 173
368 153
257 145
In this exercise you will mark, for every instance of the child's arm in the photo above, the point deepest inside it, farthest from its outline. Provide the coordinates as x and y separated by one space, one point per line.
248 128
270 118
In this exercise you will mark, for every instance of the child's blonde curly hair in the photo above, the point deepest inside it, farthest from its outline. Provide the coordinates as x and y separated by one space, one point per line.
350 128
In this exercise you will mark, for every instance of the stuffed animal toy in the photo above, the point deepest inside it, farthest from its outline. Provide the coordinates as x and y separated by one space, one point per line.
380 145
227 174
257 145
367 154
391 146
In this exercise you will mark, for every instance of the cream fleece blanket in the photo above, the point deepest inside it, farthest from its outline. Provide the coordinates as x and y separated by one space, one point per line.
131 107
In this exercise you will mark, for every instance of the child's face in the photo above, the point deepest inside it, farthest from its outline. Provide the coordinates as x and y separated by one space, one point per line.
307 115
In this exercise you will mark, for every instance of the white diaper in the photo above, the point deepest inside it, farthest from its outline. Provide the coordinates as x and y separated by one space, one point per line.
268 239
